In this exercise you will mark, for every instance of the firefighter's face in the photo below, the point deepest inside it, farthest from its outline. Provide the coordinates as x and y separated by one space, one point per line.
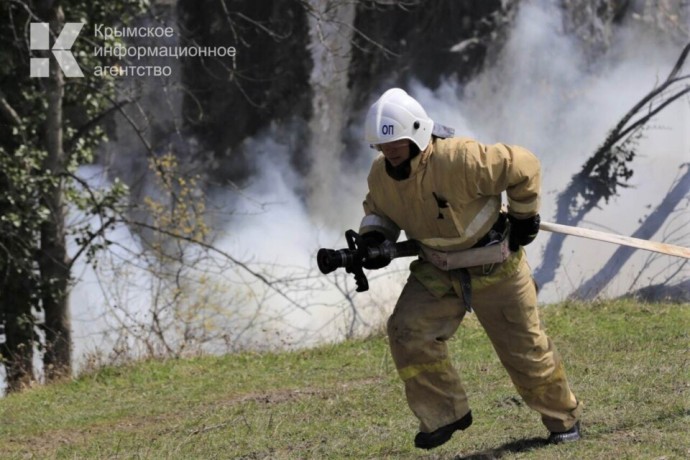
396 152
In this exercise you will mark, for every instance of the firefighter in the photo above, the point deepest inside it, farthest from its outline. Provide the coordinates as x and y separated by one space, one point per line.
445 192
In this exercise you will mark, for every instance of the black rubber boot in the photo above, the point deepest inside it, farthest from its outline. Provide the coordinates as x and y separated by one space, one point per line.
443 434
571 435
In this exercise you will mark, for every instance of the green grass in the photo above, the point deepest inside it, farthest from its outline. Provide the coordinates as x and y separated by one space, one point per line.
628 363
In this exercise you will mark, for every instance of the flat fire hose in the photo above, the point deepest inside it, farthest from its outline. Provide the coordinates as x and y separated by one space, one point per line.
663 248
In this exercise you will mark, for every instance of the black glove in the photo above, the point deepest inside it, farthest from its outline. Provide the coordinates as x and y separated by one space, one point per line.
371 240
522 231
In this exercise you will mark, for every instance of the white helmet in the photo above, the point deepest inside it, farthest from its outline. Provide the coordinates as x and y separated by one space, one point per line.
396 115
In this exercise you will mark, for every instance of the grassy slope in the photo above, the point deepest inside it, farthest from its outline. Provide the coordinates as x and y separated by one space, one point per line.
628 362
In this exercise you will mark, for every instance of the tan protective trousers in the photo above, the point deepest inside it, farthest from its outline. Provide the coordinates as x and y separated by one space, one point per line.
507 310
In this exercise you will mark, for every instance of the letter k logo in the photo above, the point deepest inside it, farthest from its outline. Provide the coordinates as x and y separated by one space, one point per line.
40 40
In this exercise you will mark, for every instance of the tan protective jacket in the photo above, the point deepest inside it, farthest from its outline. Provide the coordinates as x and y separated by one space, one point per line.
453 194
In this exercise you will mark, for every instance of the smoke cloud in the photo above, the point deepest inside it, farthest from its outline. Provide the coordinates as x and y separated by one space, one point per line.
542 94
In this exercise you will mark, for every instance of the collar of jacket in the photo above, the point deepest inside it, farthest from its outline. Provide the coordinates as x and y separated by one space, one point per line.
411 167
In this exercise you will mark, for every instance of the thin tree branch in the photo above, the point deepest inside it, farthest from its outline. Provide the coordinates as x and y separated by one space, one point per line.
8 112
86 127
210 247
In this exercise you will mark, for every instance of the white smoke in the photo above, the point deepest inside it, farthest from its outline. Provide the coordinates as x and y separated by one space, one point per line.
542 95
272 224
267 227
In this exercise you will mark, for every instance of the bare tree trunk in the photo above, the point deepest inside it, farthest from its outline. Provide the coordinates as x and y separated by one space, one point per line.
591 288
53 259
